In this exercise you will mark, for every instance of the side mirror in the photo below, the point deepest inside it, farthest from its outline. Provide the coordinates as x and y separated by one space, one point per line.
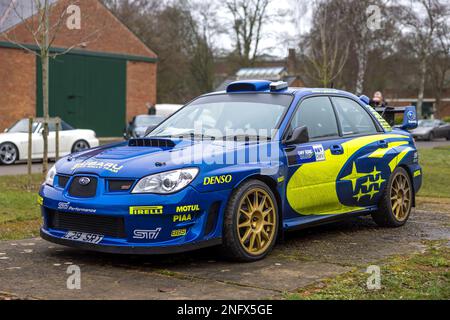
41 131
299 135
409 118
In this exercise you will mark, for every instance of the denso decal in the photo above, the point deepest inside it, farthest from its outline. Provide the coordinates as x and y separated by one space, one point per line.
146 210
146 234
178 232
182 217
98 165
188 208
217 179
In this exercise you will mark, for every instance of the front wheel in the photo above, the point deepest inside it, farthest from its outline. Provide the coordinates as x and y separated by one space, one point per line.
396 203
250 222
79 146
8 153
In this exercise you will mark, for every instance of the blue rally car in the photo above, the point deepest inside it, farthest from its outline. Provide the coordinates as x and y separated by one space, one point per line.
236 169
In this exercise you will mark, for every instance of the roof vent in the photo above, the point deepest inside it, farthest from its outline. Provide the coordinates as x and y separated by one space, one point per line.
279 85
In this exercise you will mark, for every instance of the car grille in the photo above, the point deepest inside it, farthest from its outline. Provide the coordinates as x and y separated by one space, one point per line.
62 181
119 185
83 191
102 225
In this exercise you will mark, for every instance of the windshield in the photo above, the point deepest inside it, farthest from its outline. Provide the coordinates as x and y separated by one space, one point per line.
145 121
252 115
427 123
22 126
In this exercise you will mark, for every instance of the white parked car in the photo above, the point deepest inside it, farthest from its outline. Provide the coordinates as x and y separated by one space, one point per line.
14 141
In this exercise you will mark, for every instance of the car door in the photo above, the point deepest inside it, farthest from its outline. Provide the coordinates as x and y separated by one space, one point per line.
315 165
368 150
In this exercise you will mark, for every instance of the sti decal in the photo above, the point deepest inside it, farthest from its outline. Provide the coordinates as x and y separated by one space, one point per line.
146 234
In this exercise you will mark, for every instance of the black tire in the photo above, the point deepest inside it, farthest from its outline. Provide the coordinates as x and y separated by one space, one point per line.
9 153
431 136
386 216
231 238
76 146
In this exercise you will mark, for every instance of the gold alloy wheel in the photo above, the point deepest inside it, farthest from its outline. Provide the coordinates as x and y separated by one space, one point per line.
401 197
256 221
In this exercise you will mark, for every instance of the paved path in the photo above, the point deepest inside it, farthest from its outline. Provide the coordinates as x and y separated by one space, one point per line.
37 269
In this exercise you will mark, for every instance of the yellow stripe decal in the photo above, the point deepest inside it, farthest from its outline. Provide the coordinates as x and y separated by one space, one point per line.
394 162
380 153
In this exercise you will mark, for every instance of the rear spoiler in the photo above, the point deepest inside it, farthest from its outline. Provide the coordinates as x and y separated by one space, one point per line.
388 114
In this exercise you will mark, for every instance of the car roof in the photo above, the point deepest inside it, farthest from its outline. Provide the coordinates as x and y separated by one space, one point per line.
265 88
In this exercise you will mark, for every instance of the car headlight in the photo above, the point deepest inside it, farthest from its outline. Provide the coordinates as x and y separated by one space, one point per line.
166 182
51 174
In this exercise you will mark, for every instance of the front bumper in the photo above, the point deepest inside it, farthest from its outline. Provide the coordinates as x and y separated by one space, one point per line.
130 249
188 220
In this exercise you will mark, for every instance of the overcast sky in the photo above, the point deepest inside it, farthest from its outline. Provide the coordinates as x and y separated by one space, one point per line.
281 33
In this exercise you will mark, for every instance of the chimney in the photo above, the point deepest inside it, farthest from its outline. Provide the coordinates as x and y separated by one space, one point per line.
292 62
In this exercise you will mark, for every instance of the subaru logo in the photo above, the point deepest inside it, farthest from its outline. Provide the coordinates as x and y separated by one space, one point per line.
84 181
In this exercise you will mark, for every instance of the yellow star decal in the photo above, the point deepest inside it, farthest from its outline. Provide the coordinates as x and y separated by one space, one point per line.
354 176
372 192
379 182
367 184
359 195
375 172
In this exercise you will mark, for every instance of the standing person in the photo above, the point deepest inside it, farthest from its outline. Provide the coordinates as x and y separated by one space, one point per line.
378 101
151 108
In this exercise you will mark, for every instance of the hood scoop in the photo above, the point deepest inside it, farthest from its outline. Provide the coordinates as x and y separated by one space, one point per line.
151 142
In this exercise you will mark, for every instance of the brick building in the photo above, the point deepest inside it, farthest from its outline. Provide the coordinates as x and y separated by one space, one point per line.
107 77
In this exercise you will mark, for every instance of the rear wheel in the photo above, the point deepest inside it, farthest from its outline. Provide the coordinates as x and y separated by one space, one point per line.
79 146
250 222
396 204
8 153
431 136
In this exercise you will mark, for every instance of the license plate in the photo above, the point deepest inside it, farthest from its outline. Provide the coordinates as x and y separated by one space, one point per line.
83 237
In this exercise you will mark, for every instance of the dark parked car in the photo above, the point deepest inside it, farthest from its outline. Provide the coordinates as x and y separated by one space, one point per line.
140 124
431 129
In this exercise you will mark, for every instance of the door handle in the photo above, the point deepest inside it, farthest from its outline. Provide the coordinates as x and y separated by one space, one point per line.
382 144
337 149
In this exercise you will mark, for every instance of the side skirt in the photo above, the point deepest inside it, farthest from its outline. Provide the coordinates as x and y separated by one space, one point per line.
304 222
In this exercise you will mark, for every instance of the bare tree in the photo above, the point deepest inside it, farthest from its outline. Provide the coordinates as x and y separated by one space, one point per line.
249 17
440 60
43 26
325 47
421 25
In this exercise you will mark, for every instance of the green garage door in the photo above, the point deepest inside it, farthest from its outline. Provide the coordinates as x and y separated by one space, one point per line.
87 92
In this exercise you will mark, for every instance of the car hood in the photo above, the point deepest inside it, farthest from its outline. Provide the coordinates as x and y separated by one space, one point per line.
124 161
421 130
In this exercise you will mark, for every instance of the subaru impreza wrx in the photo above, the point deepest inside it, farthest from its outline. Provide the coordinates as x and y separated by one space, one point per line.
236 169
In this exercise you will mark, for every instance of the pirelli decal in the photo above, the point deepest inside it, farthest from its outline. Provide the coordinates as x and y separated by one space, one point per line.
146 210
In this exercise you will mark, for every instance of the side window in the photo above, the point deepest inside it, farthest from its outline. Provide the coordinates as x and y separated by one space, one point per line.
317 114
353 118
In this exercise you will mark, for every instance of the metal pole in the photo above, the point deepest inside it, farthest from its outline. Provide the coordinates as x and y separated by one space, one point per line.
58 125
30 149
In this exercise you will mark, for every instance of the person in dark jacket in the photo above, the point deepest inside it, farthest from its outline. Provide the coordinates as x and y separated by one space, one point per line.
378 101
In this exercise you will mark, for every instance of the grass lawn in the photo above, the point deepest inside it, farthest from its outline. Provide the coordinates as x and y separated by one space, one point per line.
436 172
19 211
419 276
